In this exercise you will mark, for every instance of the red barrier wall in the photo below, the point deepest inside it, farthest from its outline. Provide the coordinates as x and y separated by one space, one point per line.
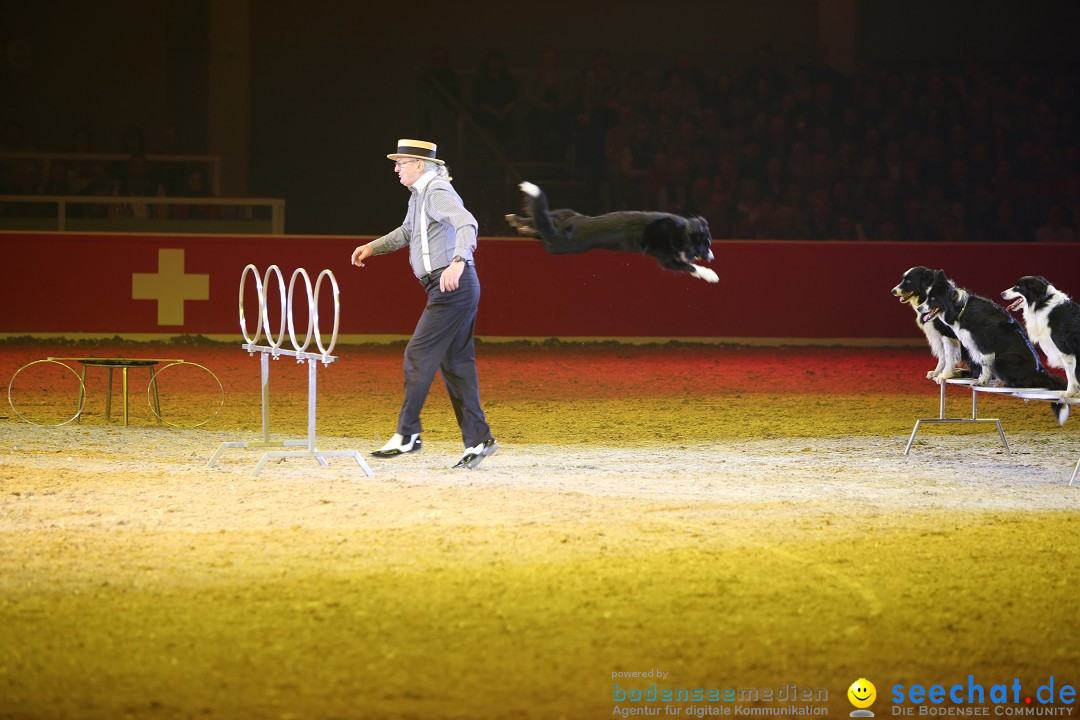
86 284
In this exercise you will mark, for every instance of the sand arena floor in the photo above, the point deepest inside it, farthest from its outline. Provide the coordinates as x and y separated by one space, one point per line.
730 516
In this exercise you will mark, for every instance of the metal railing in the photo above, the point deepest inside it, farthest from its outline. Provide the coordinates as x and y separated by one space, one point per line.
122 210
212 162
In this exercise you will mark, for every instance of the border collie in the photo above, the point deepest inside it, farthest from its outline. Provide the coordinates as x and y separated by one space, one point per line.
992 338
1052 320
912 290
674 241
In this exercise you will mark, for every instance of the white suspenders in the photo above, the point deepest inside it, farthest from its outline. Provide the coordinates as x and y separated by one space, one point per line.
424 248
426 251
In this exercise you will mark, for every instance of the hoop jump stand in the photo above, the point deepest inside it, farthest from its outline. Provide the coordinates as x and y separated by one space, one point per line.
300 352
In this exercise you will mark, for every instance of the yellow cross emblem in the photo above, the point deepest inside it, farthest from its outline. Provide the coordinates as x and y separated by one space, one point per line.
170 286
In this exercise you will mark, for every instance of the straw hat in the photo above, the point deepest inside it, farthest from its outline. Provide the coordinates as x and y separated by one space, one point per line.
418 149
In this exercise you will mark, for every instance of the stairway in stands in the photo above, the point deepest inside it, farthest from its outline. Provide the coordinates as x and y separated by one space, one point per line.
562 183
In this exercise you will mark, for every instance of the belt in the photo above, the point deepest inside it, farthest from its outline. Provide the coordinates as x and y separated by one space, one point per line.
432 278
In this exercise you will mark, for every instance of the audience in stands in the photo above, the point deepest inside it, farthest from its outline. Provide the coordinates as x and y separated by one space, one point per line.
915 153
80 172
496 100
547 99
101 184
197 187
962 154
165 173
138 182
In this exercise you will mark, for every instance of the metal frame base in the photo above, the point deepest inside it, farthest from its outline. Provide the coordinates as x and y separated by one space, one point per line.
1049 396
312 360
319 455
256 444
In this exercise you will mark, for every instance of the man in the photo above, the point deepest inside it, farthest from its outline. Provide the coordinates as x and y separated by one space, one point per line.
441 236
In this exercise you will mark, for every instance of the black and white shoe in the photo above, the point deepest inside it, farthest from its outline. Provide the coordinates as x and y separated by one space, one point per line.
474 455
398 445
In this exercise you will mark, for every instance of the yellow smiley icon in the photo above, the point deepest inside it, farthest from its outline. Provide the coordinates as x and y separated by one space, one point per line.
862 693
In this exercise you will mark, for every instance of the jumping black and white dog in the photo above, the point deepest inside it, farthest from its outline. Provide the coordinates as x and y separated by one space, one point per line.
992 338
912 289
1052 320
676 242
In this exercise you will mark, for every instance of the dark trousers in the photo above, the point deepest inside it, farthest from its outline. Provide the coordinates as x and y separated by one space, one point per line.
443 340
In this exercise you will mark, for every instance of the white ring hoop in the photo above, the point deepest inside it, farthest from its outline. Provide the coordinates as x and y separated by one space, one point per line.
313 311
273 269
262 305
153 385
287 316
82 393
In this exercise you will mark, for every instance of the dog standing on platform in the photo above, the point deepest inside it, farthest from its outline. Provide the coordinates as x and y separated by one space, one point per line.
992 338
674 241
944 345
1052 320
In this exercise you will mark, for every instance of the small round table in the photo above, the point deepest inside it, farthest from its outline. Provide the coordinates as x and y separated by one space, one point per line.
123 364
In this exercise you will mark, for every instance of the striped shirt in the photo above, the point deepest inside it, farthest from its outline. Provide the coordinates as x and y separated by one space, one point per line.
451 229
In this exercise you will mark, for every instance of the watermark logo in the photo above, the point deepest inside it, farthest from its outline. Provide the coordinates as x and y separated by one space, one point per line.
1053 697
662 697
862 695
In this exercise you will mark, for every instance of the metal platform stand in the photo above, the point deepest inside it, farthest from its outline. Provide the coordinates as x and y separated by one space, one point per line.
299 351
1052 396
941 419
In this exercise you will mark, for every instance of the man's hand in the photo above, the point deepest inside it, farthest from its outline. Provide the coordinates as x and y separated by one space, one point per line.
360 254
450 277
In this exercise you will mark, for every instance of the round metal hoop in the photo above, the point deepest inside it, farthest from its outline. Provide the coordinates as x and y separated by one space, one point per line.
313 311
273 269
287 316
153 385
262 305
82 393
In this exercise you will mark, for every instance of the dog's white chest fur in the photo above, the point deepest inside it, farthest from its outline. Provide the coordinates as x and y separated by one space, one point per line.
928 329
973 349
985 361
1038 327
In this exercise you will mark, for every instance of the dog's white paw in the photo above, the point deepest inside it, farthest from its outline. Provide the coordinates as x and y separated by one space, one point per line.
529 189
931 375
1072 393
706 274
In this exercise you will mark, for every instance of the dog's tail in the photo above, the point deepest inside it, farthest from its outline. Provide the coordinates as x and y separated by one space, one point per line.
538 205
1060 410
1053 382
